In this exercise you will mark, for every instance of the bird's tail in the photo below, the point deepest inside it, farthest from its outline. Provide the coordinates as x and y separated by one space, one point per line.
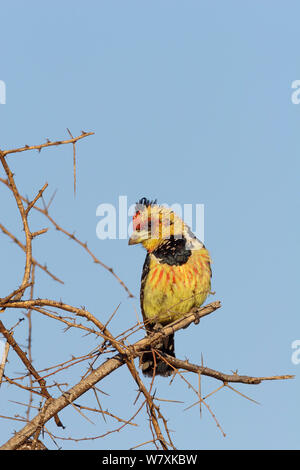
148 364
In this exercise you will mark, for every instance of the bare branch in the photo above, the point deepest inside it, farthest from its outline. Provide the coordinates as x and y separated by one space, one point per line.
74 161
72 236
10 339
34 261
28 248
114 363
235 378
48 144
32 203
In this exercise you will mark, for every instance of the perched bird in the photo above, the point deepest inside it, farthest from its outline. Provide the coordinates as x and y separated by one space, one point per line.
175 278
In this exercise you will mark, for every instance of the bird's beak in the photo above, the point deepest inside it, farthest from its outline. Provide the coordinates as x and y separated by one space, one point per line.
133 240
138 237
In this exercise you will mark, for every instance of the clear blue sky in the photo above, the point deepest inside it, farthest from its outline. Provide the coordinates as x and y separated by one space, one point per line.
190 102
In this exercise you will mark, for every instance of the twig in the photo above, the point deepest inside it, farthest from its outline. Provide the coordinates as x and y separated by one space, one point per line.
109 366
32 203
29 341
245 379
10 339
47 144
34 261
74 238
28 249
74 161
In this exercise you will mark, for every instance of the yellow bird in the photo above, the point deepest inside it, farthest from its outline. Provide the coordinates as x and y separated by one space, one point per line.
176 274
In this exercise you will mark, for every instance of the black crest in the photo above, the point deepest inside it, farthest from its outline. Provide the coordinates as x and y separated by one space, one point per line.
144 202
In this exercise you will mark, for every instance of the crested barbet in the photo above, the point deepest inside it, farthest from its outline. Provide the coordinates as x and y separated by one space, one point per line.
175 277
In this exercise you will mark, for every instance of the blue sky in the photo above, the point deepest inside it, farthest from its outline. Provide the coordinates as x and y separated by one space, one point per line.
190 103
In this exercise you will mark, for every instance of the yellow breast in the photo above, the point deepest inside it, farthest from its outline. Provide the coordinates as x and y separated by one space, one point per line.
170 292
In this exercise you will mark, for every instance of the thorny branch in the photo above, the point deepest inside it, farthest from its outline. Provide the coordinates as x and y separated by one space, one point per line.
47 144
124 352
110 365
71 236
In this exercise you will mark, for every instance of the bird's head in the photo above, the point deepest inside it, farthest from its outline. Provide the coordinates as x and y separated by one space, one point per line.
152 224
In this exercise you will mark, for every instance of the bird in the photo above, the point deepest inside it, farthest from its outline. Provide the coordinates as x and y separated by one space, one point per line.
176 275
